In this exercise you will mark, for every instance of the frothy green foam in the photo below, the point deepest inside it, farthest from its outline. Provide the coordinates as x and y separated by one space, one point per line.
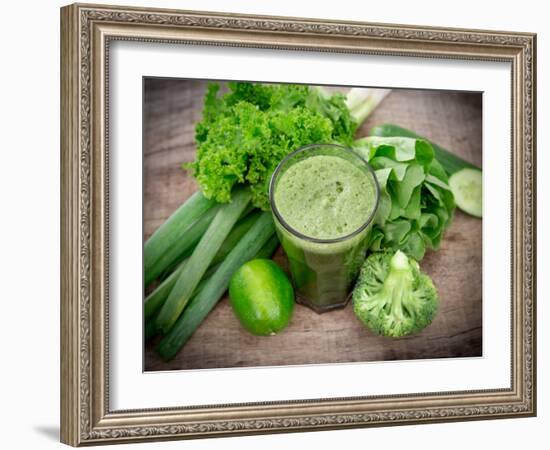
325 197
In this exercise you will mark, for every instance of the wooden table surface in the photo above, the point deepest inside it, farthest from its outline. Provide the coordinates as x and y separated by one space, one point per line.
453 120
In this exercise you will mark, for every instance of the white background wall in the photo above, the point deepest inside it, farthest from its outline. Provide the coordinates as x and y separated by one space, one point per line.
29 223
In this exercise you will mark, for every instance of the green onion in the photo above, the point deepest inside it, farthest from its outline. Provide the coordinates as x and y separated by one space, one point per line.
450 162
156 299
151 329
202 257
201 304
265 252
174 230
237 233
268 249
200 231
181 248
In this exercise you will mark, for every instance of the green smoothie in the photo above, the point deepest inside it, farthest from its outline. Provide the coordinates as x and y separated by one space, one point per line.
324 198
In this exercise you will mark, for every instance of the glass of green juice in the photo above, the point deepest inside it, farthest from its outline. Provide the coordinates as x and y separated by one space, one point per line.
324 198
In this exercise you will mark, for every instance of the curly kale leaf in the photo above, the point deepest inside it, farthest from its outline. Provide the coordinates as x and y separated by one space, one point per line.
247 131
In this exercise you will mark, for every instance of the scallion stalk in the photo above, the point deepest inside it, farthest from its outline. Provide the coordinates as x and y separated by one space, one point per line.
156 299
174 230
181 248
202 303
265 252
202 257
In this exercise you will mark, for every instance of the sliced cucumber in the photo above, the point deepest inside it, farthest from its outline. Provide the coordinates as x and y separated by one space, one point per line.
466 185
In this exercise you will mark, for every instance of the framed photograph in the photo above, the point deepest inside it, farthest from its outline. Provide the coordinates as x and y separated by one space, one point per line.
281 224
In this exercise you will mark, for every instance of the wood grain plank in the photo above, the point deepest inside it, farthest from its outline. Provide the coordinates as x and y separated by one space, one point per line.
453 120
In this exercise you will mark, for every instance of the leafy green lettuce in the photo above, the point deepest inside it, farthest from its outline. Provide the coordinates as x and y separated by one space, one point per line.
416 203
245 132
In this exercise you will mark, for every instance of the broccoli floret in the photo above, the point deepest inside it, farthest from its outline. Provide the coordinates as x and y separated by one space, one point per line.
392 297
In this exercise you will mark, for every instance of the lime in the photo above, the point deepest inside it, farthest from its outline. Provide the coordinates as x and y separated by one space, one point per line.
262 297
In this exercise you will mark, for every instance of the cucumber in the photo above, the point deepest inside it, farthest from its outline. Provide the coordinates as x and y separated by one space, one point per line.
466 185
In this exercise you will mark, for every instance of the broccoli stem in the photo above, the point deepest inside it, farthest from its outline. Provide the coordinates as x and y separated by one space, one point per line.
398 283
399 261
392 297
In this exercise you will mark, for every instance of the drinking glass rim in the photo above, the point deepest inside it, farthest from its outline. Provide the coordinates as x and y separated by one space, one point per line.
309 238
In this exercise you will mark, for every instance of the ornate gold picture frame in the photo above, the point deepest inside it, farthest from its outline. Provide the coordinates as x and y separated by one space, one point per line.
86 34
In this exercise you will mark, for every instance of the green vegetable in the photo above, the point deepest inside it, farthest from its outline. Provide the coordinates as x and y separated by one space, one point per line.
181 248
175 231
200 231
450 162
265 252
246 132
362 101
262 297
202 257
416 203
199 307
466 185
151 329
392 297
156 299
269 248
237 233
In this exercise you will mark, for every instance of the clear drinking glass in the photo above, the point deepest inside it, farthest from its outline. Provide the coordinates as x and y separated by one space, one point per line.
323 269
